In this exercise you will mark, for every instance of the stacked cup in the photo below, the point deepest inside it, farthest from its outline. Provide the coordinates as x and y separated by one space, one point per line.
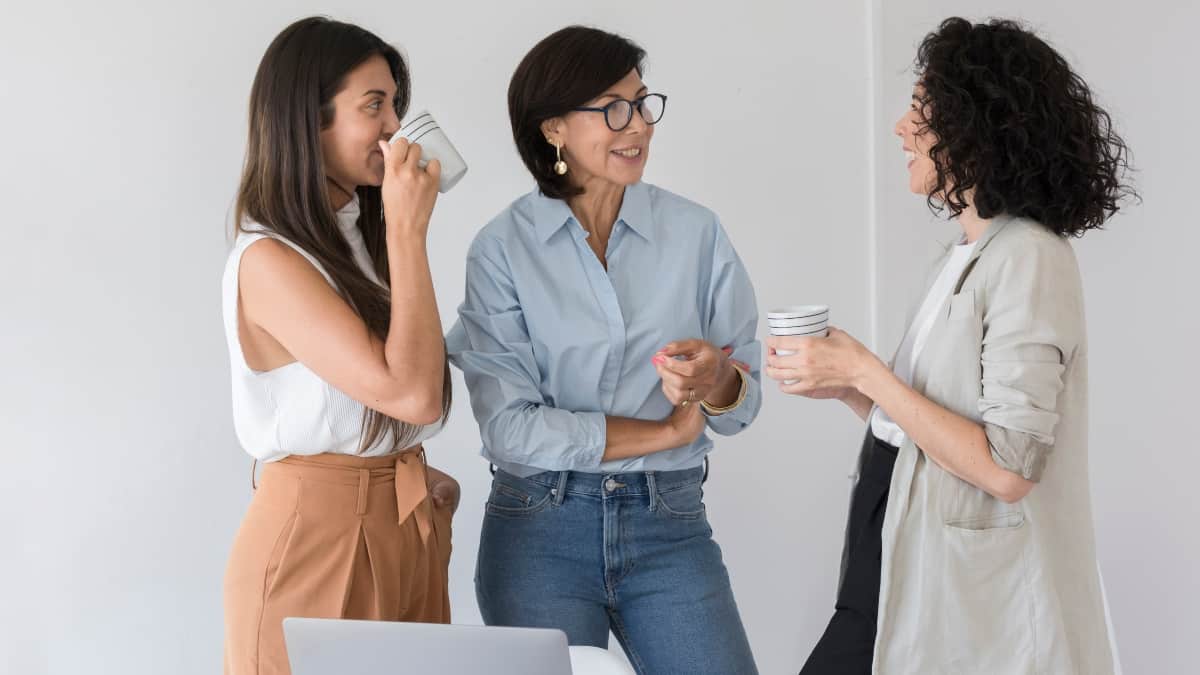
802 321
425 130
798 321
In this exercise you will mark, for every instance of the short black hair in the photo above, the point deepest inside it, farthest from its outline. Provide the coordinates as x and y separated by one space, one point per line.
1015 124
567 69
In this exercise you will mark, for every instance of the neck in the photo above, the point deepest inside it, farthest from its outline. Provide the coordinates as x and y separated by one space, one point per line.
597 208
338 195
972 225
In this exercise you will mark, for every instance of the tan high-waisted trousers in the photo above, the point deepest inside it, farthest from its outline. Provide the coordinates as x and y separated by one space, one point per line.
333 536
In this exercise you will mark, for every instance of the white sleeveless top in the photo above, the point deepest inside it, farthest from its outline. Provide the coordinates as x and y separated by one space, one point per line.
289 410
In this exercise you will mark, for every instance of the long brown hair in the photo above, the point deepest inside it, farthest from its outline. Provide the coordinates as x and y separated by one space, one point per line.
284 188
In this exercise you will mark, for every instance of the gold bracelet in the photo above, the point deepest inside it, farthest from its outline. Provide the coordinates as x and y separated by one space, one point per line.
745 388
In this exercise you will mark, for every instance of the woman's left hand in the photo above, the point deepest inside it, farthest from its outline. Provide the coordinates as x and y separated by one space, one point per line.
828 367
702 370
444 490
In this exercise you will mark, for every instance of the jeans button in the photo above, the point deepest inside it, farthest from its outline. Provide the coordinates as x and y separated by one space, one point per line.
610 485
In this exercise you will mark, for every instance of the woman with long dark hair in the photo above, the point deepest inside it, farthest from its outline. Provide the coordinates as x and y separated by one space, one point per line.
338 363
969 546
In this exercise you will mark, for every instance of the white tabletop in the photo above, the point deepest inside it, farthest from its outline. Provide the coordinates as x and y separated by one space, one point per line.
596 661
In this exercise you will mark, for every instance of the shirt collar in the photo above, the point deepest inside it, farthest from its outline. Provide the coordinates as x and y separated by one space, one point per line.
347 216
552 214
549 215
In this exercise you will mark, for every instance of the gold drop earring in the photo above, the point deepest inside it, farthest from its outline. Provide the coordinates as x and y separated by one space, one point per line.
560 167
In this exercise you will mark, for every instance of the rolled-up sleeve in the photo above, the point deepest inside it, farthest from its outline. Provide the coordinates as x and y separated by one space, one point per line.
733 322
491 345
1030 335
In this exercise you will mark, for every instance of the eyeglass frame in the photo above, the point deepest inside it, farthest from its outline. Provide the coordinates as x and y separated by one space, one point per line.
635 103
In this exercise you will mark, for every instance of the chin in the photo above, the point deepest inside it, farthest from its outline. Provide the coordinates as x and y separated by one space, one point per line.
921 185
626 178
374 173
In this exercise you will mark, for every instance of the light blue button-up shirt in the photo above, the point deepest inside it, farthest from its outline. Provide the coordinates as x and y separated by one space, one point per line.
550 342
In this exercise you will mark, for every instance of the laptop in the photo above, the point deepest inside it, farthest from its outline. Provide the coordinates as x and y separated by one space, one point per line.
345 647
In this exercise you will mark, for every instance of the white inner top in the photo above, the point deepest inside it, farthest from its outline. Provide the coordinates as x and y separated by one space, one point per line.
917 334
290 410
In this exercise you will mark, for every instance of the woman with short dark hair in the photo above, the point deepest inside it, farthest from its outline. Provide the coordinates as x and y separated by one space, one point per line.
598 335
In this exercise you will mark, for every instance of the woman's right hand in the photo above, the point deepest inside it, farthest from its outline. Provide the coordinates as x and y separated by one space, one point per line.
409 192
685 424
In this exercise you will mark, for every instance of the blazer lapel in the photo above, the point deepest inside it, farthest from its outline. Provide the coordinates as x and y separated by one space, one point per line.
921 374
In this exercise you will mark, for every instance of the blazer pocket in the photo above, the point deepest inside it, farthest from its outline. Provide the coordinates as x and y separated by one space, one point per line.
995 521
962 305
989 627
965 507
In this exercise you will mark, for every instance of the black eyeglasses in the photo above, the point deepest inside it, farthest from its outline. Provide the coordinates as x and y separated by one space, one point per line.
619 113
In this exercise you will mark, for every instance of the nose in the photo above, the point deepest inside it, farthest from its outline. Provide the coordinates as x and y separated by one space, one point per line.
637 123
899 128
391 124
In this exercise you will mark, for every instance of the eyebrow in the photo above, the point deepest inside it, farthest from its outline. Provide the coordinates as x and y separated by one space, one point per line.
376 92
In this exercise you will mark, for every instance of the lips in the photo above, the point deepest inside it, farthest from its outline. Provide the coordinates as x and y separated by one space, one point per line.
628 153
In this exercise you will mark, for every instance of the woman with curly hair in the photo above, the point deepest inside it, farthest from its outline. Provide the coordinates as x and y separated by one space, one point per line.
969 545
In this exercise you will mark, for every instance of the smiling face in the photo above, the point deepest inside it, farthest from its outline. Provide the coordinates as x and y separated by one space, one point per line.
364 114
592 150
917 139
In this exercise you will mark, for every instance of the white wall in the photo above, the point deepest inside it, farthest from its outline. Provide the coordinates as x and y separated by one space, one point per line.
1140 59
123 127
123 131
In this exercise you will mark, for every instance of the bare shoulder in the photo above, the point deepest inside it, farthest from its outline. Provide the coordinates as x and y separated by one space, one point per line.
272 268
271 257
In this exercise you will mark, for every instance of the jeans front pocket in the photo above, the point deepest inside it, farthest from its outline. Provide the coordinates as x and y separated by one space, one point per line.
683 503
515 497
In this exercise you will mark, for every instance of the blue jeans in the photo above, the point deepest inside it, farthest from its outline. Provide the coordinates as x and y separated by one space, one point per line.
632 552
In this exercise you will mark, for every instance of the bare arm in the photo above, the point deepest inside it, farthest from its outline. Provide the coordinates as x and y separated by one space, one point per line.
958 445
627 438
283 295
859 403
839 364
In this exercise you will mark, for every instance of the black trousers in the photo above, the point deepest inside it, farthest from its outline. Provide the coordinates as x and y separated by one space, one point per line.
848 644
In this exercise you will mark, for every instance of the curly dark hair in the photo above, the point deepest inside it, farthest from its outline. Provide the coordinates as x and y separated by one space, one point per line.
1018 127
